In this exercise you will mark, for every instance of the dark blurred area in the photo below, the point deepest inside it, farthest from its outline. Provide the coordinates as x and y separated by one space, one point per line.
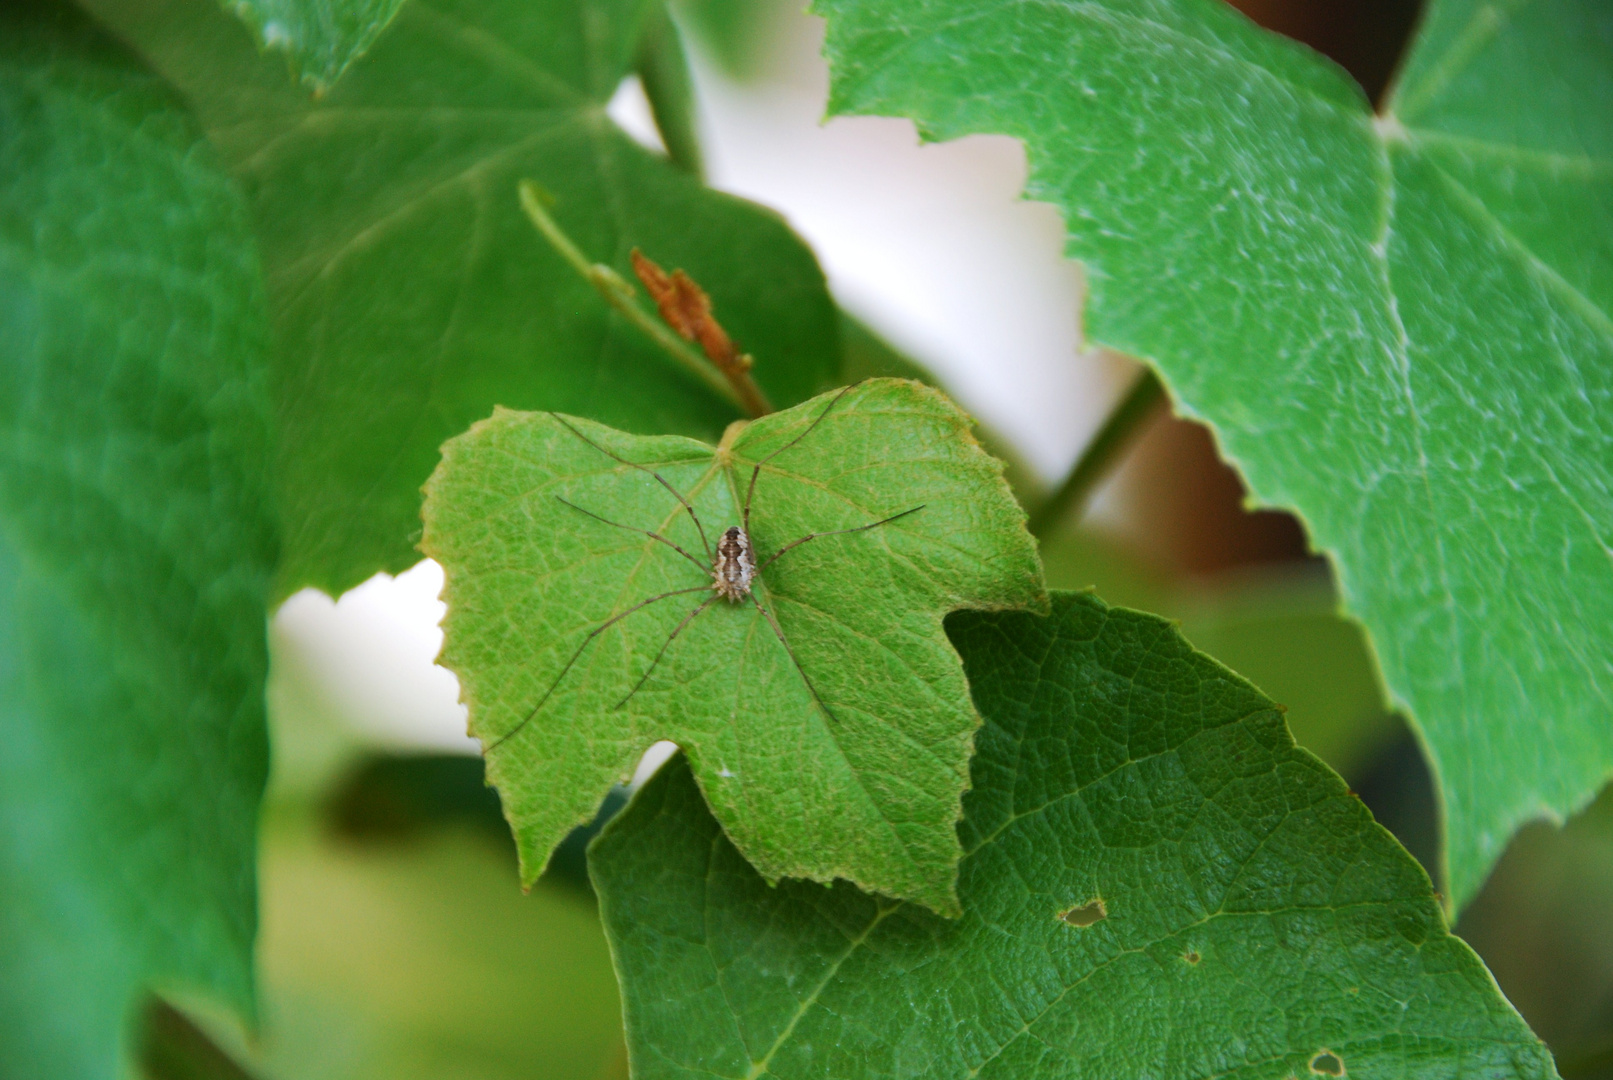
398 798
174 1047
1542 924
1364 37
1185 508
394 798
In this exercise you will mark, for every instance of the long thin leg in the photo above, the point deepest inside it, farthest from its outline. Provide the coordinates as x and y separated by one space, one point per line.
665 645
644 468
592 634
835 532
779 631
631 528
757 471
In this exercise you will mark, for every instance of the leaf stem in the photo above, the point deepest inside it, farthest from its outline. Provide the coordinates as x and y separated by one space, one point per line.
621 295
1101 452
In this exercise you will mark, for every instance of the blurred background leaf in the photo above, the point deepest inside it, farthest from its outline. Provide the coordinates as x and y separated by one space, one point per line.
319 38
136 543
410 294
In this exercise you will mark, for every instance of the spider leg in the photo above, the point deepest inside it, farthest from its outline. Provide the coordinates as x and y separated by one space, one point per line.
779 632
757 470
665 645
645 532
835 532
592 634
642 468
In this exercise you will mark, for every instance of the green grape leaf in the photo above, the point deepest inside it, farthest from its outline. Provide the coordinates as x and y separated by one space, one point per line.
135 552
1157 883
410 293
826 715
1398 325
319 37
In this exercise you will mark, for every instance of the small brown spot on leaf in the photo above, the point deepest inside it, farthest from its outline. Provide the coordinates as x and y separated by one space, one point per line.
1191 956
1085 914
1327 1063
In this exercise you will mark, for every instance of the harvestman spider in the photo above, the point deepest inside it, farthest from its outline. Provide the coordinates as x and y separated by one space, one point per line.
732 566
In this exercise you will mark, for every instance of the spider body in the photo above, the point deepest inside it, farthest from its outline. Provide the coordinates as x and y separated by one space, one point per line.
734 565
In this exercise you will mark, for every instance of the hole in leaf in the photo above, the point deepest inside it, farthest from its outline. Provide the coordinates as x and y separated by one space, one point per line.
1086 914
1327 1063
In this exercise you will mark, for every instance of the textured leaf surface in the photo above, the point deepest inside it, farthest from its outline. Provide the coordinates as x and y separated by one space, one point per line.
319 37
1399 326
1158 883
134 553
849 764
411 295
